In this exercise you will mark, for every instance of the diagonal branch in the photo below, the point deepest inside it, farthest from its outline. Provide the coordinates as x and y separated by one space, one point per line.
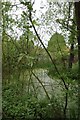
41 85
47 52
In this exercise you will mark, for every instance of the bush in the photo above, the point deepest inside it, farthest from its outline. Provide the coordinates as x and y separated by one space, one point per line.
17 105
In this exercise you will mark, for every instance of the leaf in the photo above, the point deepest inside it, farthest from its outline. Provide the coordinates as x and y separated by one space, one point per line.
22 3
20 57
29 57
27 27
25 13
30 7
35 23
28 4
25 3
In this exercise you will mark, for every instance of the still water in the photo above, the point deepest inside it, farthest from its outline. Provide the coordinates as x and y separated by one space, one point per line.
42 80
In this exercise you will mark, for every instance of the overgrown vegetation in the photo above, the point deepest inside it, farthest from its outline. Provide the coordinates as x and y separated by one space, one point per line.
40 82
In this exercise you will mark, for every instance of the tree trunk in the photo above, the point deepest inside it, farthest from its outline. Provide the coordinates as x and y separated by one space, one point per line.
71 58
77 14
72 42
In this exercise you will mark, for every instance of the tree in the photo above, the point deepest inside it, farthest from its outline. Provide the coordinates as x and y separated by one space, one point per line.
72 42
57 47
67 24
77 14
5 37
57 44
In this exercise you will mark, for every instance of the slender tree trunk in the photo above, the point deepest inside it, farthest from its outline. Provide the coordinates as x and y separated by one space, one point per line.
77 14
72 35
71 57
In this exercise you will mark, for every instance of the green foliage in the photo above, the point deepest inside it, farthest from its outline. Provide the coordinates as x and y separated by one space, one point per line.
28 4
19 105
35 23
6 6
57 45
72 75
23 55
25 61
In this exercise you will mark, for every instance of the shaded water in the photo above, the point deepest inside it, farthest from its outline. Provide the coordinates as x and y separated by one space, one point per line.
54 87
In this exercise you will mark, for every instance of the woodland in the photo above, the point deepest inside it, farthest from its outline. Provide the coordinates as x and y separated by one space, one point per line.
40 60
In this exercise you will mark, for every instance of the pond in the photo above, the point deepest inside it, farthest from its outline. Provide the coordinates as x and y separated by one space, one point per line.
42 83
53 87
